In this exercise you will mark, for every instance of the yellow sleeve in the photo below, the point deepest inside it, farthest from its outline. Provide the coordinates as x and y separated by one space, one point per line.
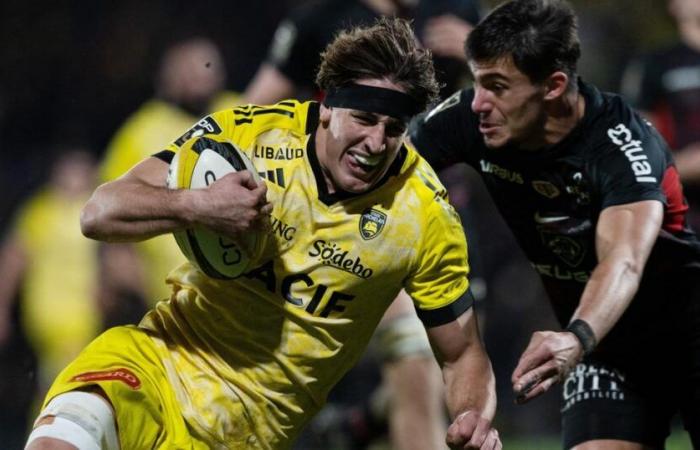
440 280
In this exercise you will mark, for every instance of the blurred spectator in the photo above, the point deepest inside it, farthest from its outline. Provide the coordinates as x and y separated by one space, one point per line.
442 25
46 258
189 84
665 85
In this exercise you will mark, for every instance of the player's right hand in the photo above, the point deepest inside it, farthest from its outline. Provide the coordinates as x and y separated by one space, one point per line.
471 431
233 204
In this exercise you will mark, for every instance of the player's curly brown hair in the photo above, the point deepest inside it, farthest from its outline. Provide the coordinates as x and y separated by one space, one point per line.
387 49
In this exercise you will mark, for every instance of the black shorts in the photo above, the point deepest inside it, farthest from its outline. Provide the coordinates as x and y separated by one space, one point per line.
631 387
598 402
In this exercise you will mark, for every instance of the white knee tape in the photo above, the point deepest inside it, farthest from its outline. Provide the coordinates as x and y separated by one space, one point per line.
82 419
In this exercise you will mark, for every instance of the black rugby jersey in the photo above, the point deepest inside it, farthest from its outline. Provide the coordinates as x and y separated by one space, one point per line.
551 198
304 34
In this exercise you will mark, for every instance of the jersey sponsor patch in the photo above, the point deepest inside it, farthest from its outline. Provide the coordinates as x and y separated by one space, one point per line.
119 374
371 223
621 136
589 381
205 126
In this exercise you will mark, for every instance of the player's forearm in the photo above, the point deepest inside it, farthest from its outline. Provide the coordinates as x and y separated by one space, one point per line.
470 383
608 293
125 211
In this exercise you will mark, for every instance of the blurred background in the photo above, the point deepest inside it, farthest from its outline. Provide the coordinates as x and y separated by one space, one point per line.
81 79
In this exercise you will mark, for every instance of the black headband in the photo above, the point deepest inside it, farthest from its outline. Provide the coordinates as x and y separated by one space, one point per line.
374 99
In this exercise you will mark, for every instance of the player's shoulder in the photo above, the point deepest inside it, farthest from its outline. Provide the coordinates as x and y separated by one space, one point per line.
289 114
611 122
423 183
456 105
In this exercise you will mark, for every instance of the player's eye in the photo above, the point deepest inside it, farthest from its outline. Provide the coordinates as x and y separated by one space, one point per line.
365 119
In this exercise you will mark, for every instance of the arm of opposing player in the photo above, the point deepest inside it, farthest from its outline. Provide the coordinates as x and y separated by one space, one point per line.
138 205
625 235
469 381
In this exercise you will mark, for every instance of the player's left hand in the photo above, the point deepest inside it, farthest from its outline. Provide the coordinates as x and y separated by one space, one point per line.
471 431
547 360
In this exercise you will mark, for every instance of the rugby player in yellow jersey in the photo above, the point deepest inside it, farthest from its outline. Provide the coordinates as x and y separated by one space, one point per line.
355 216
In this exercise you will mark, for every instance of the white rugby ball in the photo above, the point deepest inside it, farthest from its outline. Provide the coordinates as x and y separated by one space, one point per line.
199 162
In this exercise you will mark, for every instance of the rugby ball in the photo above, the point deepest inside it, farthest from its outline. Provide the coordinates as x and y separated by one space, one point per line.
201 161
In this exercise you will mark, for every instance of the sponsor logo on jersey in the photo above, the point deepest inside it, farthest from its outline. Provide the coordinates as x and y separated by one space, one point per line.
622 137
275 176
545 188
206 125
278 153
500 172
579 189
332 255
119 374
282 229
371 223
592 381
549 219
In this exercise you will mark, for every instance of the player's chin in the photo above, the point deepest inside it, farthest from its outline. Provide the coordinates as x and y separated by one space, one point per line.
359 183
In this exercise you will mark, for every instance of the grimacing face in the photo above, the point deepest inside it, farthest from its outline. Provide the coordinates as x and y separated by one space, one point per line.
510 107
355 148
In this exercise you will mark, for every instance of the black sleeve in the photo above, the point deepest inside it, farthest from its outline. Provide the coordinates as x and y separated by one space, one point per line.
448 313
444 135
631 163
295 49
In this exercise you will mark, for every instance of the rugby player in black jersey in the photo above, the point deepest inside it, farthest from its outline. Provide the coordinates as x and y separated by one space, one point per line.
592 195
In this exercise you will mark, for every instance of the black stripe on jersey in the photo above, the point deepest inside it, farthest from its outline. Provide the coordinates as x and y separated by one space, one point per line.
276 176
259 112
448 313
165 155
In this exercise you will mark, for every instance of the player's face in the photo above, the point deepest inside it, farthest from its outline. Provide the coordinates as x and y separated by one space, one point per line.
510 107
356 148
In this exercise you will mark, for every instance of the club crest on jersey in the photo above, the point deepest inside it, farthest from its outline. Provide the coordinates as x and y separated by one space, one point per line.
371 223
567 249
545 188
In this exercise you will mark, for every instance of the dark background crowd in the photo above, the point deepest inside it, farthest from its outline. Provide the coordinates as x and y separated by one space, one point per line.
72 72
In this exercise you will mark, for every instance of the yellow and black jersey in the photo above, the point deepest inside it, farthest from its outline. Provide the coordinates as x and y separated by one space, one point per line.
278 338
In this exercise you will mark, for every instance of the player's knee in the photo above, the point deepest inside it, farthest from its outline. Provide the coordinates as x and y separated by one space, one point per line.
73 420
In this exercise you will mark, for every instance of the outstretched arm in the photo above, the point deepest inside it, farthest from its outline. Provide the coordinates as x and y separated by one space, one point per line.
469 381
138 205
625 236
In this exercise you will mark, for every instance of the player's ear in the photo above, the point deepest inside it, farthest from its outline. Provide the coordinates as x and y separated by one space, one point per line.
325 115
555 85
